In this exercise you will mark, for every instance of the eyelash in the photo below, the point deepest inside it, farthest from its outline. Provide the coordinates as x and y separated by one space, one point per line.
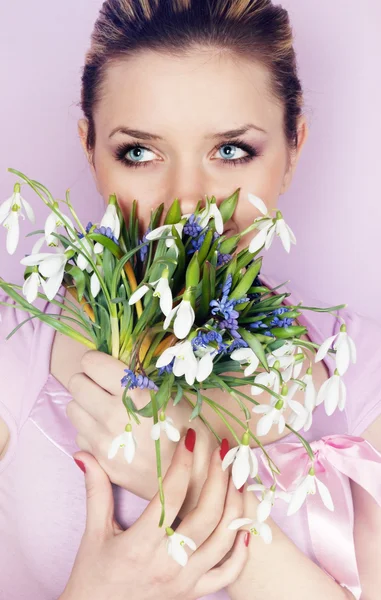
121 151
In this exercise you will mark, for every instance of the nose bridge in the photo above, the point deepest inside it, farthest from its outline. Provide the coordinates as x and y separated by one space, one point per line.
189 183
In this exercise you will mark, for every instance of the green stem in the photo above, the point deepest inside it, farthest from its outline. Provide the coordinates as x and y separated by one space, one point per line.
158 461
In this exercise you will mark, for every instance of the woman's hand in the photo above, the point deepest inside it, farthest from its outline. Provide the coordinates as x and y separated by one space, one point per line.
98 414
135 564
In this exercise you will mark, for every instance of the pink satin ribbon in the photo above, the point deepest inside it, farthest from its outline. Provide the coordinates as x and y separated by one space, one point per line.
337 458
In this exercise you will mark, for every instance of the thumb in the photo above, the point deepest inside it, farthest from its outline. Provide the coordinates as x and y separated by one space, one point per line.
99 496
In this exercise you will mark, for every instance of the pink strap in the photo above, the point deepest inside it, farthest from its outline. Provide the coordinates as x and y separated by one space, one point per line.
337 458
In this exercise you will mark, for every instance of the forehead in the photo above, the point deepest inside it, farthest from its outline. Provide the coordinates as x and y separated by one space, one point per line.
192 95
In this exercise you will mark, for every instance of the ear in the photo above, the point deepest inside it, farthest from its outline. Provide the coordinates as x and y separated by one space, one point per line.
83 126
295 155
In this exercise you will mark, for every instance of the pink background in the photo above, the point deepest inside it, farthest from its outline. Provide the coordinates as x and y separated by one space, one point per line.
333 205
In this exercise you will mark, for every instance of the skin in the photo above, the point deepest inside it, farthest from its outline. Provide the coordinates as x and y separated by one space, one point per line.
166 96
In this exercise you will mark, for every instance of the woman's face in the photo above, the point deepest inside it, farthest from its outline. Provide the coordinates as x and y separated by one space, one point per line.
182 105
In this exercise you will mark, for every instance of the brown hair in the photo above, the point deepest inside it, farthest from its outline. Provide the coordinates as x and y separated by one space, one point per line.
250 29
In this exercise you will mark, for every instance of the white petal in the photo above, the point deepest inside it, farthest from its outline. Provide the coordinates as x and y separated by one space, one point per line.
139 293
343 354
115 445
52 284
298 497
324 348
325 494
352 348
179 554
237 523
51 264
205 367
130 447
253 462
270 237
264 424
95 285
171 431
166 357
169 317
332 395
283 233
258 203
241 354
5 208
229 457
342 395
13 233
265 533
188 541
28 209
155 234
241 467
30 287
155 431
184 320
50 226
219 224
258 241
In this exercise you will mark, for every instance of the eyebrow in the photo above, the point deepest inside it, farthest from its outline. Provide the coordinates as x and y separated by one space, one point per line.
144 135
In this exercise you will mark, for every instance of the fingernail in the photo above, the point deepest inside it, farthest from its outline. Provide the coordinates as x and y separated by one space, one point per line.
224 448
247 539
190 439
241 489
81 465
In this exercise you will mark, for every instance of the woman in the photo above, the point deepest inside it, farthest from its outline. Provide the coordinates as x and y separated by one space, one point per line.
182 70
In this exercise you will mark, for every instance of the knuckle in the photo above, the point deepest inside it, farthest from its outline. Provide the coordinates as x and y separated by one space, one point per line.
73 382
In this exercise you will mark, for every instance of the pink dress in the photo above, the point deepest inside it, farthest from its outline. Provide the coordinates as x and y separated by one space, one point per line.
42 491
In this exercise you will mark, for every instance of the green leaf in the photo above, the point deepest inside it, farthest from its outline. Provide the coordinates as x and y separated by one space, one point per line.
79 279
206 292
256 346
228 206
229 244
106 242
174 213
285 333
192 276
161 396
179 395
205 247
247 280
197 409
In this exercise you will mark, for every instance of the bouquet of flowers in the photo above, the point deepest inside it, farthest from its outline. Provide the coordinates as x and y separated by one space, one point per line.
186 312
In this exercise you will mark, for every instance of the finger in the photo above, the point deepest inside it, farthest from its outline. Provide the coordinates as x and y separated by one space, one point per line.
100 521
175 485
93 398
204 518
84 423
220 577
220 542
104 369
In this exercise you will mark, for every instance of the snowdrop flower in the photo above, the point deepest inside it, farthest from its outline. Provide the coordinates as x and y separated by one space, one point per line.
161 289
87 247
212 211
205 364
290 358
271 380
10 211
246 355
267 229
258 203
244 461
125 440
310 396
345 350
255 527
165 424
273 412
31 285
185 361
52 223
308 486
184 318
109 219
333 393
51 266
175 546
164 231
269 496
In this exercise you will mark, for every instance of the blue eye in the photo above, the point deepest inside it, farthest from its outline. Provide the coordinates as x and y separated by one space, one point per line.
124 149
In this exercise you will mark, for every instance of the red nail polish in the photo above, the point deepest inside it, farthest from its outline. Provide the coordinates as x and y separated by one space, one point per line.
190 439
247 539
224 448
241 489
81 465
